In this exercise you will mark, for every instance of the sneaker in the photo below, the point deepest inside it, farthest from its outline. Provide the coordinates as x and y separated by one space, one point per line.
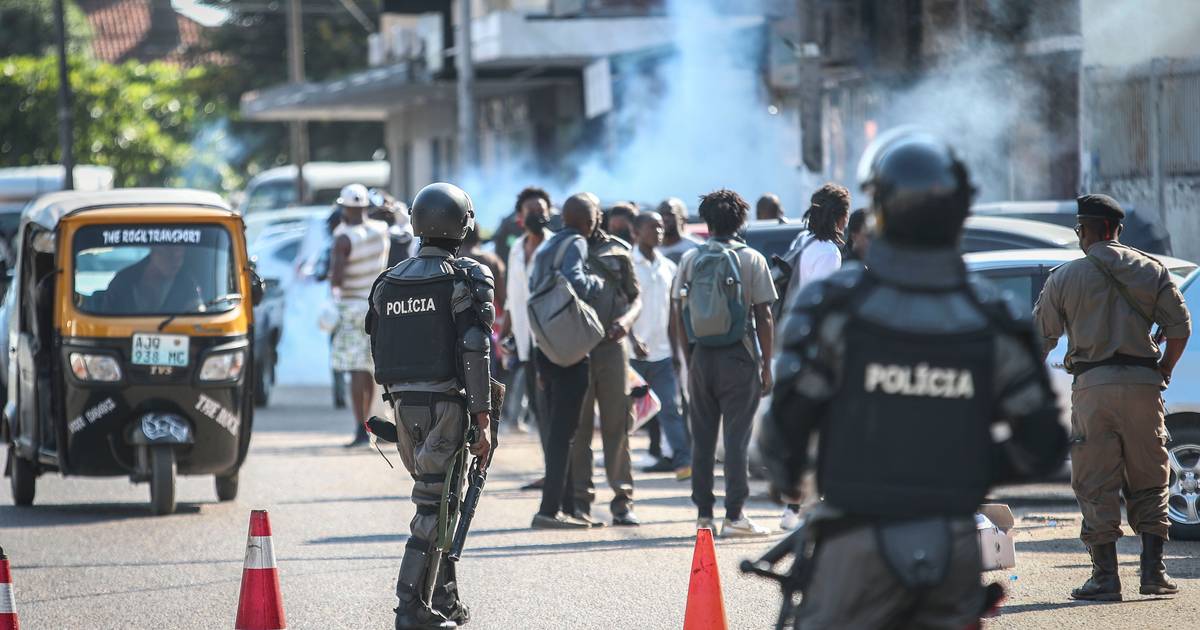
558 521
790 519
683 474
705 522
742 528
626 519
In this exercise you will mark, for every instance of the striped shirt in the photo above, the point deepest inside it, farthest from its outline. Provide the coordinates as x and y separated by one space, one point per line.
368 256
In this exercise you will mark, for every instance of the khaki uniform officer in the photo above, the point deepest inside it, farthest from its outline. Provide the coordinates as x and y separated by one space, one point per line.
1106 304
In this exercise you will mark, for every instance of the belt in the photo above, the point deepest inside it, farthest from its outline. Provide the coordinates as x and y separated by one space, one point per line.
1080 367
421 399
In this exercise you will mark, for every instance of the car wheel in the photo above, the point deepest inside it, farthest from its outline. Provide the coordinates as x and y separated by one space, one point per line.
264 379
22 477
1183 504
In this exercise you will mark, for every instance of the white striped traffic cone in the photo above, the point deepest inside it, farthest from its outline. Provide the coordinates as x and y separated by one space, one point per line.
8 603
260 606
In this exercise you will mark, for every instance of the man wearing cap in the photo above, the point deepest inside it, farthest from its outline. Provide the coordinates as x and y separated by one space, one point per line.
359 255
1106 304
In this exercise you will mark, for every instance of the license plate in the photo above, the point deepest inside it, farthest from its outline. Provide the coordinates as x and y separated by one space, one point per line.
165 350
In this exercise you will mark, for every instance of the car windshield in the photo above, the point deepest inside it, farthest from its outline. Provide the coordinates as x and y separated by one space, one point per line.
270 195
154 270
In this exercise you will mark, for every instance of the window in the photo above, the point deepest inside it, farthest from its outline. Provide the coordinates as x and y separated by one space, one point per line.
287 253
154 270
984 242
1019 284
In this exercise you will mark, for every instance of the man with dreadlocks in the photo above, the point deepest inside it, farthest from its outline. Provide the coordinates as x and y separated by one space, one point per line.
815 254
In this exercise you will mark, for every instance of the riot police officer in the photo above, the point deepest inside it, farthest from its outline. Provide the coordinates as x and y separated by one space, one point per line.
430 324
926 388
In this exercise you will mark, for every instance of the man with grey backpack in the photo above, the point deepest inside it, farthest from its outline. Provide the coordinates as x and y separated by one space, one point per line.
722 298
565 329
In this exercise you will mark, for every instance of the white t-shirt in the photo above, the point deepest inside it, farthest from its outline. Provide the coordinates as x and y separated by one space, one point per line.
818 260
651 326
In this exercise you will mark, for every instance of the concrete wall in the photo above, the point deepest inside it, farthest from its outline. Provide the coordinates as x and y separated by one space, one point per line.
1182 200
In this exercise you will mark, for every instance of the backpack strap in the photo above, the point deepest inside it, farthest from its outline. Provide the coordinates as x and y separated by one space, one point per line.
1121 289
561 254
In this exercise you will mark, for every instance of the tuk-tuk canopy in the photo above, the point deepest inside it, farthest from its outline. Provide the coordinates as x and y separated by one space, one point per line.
49 209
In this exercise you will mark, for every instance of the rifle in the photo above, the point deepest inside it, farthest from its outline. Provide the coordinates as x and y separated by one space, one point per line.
795 544
477 475
800 543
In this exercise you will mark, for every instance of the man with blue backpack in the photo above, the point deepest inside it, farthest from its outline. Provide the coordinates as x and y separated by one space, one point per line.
722 299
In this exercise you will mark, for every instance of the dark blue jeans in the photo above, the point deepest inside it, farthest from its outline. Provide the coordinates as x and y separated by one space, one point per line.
661 377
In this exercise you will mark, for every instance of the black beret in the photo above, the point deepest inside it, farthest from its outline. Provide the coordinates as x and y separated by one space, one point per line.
1100 207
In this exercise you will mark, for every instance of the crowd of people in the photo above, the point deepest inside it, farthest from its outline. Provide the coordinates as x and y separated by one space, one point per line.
634 268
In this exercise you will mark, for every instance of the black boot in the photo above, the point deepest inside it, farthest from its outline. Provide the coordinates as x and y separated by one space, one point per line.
445 595
413 613
1105 584
1155 580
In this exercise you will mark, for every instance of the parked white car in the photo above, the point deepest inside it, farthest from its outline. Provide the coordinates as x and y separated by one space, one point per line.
275 188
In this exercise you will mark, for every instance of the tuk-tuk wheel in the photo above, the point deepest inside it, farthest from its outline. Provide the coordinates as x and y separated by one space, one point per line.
227 487
22 477
162 479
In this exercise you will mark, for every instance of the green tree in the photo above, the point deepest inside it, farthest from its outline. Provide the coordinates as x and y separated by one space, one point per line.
252 44
27 28
140 119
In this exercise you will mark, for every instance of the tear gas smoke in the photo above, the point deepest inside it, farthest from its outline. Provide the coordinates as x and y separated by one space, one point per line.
698 120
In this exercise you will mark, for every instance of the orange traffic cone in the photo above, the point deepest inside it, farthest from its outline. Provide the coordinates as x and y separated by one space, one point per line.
705 603
260 606
8 603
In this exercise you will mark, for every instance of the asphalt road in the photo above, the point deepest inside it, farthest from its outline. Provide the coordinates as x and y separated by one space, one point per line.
89 554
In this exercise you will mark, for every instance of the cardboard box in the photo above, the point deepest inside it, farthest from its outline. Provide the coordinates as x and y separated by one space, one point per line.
994 522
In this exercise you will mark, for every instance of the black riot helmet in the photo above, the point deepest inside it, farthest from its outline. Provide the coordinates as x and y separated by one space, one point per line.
442 211
920 191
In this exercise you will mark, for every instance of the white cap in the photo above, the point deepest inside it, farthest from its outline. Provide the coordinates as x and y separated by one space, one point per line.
353 196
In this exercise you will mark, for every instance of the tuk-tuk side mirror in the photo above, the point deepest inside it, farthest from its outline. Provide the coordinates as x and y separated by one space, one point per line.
257 288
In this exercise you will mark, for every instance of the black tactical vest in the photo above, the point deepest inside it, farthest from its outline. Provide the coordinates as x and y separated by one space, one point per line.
909 433
414 337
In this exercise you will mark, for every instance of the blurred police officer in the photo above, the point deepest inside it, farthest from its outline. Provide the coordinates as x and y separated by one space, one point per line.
1106 303
430 323
906 370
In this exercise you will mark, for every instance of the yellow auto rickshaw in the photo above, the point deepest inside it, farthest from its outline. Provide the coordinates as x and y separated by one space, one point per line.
130 341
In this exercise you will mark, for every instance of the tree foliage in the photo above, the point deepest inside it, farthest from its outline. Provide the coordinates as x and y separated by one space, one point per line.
140 119
253 43
27 28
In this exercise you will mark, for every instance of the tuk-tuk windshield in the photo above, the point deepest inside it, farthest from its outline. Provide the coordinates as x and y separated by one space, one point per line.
128 270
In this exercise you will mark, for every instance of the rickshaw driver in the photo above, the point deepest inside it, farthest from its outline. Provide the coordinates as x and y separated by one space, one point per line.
157 283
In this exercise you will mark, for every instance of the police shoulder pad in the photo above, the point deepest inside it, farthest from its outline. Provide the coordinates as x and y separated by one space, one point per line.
476 272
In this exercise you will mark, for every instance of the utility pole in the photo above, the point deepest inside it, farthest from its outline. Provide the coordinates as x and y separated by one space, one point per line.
65 132
297 129
468 141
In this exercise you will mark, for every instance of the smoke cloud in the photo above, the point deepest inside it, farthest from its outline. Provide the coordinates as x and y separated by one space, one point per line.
698 120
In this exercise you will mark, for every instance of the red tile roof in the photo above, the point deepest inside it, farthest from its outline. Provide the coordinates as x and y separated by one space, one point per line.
142 30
